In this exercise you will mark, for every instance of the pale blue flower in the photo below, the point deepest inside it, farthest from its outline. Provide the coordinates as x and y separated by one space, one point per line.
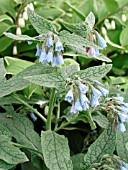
77 106
49 41
54 63
84 101
60 59
122 168
39 50
49 56
58 46
94 101
92 52
69 96
33 117
124 109
29 42
96 92
103 91
125 165
120 99
121 127
97 82
43 57
101 41
122 117
83 88
97 51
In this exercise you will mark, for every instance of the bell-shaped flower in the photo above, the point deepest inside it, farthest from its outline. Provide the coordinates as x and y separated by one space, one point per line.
92 52
97 51
49 56
33 117
123 168
54 63
96 93
125 165
94 101
69 96
124 109
77 106
97 82
29 42
38 51
83 88
120 99
58 46
101 41
60 59
84 101
103 91
121 127
43 57
49 41
122 117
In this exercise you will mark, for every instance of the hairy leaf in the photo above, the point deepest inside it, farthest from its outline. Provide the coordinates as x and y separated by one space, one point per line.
21 128
41 24
10 153
5 131
105 144
103 58
5 166
2 70
55 151
77 160
90 19
18 83
96 72
121 144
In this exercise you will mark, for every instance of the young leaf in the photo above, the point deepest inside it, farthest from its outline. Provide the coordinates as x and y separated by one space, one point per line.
105 144
18 83
121 144
10 153
55 151
90 19
21 128
19 37
96 72
2 70
41 24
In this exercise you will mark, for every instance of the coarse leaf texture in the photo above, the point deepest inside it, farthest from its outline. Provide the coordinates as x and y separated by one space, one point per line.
21 128
5 131
111 5
2 70
41 24
96 72
103 58
18 82
79 29
121 144
5 166
55 151
90 19
10 153
19 37
77 160
105 144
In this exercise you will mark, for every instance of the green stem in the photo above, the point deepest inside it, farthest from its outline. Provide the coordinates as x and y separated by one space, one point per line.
65 124
30 107
51 106
89 117
25 147
58 115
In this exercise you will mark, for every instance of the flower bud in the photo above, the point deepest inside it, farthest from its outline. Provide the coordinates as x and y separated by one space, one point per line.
18 31
14 50
21 22
113 25
31 6
46 110
124 17
25 15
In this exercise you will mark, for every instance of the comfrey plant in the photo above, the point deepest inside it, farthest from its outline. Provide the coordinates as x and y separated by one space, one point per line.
61 99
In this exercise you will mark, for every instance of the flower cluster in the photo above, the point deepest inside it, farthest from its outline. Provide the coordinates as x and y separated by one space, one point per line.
123 165
83 95
51 51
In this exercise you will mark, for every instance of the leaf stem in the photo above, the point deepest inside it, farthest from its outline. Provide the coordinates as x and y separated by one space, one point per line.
58 115
51 106
30 107
89 117
22 146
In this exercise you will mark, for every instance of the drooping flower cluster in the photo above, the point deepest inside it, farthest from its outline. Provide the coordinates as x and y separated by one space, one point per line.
123 165
82 95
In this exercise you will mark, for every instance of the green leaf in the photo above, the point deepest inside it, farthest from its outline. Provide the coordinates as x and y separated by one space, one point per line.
100 119
5 40
10 153
41 24
18 82
55 151
105 144
4 27
90 19
5 17
96 72
5 166
102 58
124 37
69 70
121 144
21 128
77 160
2 70
5 131
48 80
19 37
16 65
79 29
74 41
111 5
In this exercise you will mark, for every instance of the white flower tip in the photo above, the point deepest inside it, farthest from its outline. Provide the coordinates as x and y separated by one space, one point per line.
14 50
18 31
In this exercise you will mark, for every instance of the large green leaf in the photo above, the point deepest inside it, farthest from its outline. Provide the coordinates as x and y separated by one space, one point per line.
55 151
41 24
2 70
5 166
121 144
77 160
96 72
105 144
90 19
21 128
10 153
5 40
111 5
124 37
18 82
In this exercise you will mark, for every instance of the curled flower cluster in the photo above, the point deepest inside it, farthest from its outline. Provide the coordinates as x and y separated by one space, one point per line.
78 94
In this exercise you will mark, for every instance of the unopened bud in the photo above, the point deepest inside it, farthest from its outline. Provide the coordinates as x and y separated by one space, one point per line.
104 32
31 6
46 110
21 22
14 50
25 15
18 31
113 25
124 17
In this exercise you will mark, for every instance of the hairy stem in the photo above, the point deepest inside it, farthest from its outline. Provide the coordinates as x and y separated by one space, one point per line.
58 115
